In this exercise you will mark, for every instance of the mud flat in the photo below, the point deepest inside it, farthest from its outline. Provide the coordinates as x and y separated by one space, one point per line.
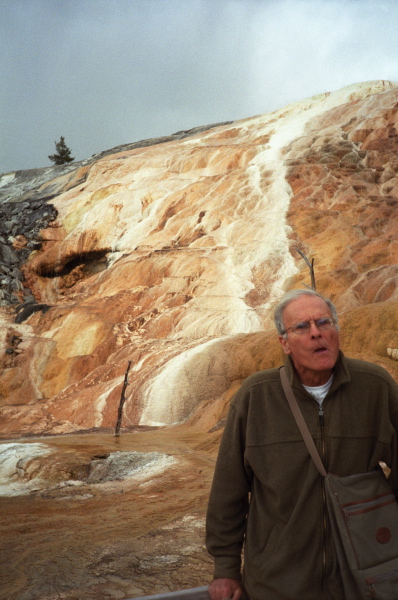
99 517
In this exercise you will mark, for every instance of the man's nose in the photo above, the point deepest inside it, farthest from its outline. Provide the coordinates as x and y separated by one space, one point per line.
314 330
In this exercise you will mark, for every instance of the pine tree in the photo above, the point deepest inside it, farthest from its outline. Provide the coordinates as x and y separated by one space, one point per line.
63 154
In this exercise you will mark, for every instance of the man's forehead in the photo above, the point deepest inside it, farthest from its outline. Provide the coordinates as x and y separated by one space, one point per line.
303 304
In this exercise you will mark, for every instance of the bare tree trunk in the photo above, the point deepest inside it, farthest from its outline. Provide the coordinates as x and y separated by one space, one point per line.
122 399
311 268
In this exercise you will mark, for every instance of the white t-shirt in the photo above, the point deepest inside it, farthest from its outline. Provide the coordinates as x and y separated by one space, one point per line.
319 392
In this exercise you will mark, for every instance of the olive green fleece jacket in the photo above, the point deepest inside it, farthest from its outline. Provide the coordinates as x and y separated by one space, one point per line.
268 493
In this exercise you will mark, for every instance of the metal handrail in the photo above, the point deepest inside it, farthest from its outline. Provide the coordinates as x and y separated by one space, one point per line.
199 593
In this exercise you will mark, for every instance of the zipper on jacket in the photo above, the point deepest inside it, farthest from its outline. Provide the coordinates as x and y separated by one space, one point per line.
321 417
324 541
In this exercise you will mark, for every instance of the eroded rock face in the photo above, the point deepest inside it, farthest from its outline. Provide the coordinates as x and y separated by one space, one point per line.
172 255
343 175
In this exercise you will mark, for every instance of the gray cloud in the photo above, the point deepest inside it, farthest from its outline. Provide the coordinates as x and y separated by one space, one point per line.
108 72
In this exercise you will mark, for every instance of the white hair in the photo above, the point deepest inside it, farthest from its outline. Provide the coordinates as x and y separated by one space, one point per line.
293 295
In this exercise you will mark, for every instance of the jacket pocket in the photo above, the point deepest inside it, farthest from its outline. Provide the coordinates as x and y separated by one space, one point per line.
366 524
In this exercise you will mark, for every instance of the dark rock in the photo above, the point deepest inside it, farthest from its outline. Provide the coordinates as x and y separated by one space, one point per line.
7 254
33 245
16 274
27 309
15 285
20 218
7 226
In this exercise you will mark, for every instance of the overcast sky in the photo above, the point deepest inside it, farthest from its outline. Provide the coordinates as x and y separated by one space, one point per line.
108 72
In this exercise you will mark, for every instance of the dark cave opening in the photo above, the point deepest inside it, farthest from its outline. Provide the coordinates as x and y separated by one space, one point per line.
89 263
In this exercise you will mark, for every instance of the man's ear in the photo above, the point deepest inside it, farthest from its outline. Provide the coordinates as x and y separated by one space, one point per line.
285 344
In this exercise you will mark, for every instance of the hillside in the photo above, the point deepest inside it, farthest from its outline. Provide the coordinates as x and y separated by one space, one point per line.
171 253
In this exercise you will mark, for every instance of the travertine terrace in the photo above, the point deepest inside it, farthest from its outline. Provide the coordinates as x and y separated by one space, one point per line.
171 255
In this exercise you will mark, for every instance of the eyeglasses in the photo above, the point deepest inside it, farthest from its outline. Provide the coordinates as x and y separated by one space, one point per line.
324 324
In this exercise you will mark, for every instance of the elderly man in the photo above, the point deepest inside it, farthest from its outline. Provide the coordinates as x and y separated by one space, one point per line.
267 494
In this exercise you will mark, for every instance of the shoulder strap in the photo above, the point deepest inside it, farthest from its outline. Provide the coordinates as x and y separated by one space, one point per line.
302 425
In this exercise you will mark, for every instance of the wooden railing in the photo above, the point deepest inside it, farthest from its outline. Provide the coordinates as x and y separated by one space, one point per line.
199 593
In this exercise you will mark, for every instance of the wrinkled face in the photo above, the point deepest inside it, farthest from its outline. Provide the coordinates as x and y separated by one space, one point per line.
314 353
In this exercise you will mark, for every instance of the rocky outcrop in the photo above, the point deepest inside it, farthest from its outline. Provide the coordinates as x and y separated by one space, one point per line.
343 175
393 353
170 255
25 209
20 226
